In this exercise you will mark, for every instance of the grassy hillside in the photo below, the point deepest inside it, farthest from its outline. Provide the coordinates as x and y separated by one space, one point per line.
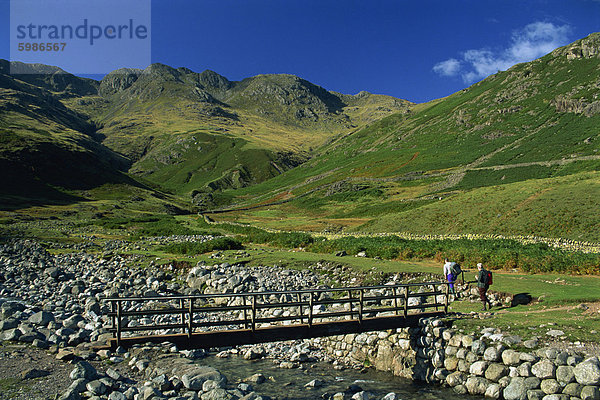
44 145
190 131
517 153
191 134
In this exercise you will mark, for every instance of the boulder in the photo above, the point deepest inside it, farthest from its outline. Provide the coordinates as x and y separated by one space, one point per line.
590 393
78 385
516 389
520 299
257 379
532 382
478 368
456 378
491 354
451 363
587 372
535 394
163 384
315 383
477 385
117 396
565 375
70 395
149 393
84 370
10 308
9 323
96 387
41 318
550 386
460 389
556 396
511 357
478 347
217 394
496 371
573 389
194 378
524 370
467 341
544 369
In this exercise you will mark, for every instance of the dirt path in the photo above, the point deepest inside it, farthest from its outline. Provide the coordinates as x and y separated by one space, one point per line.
593 308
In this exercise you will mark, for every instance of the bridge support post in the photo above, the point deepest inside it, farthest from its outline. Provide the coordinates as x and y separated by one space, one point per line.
245 312
299 298
119 311
310 309
350 302
182 307
406 289
113 318
360 305
191 318
396 300
253 313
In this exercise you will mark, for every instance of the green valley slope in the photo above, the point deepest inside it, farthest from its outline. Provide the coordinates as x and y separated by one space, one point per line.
193 134
517 153
45 145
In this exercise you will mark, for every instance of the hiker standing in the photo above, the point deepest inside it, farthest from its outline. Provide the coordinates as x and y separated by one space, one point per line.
448 273
483 285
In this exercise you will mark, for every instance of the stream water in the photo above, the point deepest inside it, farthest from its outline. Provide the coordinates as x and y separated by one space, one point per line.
288 384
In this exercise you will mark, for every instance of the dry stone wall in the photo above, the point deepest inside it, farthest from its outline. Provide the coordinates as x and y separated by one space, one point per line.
478 365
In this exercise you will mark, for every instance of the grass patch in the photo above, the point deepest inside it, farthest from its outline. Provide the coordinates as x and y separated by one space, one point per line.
533 321
495 253
192 248
250 234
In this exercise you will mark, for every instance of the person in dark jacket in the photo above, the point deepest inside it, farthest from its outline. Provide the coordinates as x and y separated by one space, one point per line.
482 285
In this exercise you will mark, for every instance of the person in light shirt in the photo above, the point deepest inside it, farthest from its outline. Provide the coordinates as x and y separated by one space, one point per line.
449 275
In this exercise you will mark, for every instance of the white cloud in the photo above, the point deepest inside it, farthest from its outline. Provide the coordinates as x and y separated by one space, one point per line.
529 43
449 67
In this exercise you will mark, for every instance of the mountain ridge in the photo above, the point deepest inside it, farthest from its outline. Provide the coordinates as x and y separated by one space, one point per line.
150 117
507 130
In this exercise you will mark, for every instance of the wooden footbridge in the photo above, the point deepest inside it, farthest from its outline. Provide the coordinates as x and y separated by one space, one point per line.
230 319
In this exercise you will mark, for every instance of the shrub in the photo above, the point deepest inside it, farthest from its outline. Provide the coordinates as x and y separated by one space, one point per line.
495 253
193 248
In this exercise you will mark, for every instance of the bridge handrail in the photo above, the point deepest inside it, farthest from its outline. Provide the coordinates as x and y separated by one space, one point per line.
293 291
250 306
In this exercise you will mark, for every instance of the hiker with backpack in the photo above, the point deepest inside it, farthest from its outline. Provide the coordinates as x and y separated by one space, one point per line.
451 272
484 280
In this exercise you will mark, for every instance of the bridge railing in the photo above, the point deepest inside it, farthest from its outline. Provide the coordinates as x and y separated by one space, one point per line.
250 310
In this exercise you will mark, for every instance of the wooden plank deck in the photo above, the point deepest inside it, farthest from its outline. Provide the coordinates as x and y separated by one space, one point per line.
234 337
247 320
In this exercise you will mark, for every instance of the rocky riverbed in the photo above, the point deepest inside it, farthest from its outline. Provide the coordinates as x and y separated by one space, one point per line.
51 313
52 304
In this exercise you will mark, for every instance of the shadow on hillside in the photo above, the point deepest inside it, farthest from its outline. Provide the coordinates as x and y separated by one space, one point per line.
22 187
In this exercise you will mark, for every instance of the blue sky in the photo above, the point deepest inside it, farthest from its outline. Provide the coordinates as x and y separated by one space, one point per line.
417 50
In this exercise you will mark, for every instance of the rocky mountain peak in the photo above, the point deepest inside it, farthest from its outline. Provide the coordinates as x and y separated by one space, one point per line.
50 78
118 80
162 72
288 90
17 67
211 79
